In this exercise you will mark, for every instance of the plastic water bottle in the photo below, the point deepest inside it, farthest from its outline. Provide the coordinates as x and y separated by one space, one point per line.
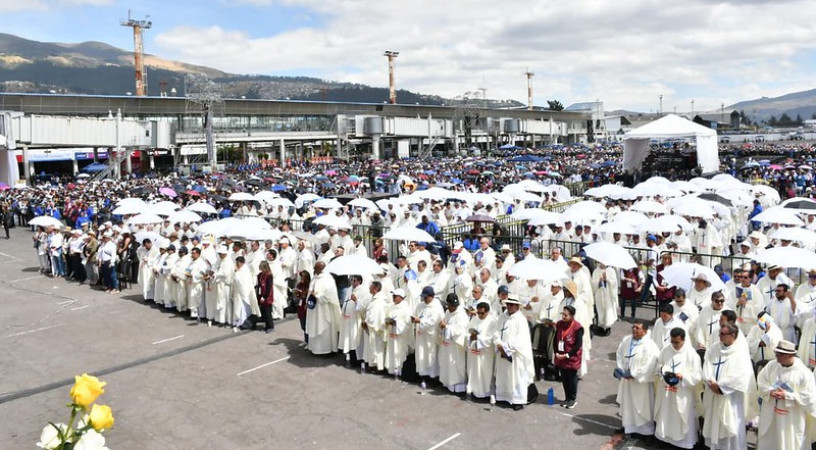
362 368
550 396
492 402
423 386
348 359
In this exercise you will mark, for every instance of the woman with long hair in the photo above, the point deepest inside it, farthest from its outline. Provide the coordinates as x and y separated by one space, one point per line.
265 293
302 294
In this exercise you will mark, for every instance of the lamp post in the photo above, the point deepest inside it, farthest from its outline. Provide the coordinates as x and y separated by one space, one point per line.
392 93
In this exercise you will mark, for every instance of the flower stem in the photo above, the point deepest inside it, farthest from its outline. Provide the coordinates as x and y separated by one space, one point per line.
69 428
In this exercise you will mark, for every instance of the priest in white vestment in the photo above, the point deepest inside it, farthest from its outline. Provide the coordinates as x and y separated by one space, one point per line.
481 352
605 291
323 320
636 361
426 318
665 323
242 293
374 327
788 394
148 254
515 370
730 391
675 411
453 346
400 333
763 338
224 274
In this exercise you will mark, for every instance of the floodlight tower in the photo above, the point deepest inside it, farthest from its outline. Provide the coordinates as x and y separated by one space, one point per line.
138 50
392 93
529 89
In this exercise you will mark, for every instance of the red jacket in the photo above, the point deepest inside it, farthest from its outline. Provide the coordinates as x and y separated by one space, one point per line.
571 334
265 290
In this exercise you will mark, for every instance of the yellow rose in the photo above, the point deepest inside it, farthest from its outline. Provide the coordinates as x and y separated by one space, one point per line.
101 417
86 390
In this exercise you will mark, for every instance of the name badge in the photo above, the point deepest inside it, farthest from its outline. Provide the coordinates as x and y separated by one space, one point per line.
561 347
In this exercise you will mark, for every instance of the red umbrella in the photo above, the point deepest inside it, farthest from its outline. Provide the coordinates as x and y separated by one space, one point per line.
192 193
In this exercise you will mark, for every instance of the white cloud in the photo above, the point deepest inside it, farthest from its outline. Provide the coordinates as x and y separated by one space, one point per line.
624 53
7 6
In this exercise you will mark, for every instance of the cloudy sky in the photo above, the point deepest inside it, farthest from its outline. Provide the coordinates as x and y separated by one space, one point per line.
625 53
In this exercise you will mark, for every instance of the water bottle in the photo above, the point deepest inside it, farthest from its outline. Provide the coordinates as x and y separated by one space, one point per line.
550 396
362 368
423 386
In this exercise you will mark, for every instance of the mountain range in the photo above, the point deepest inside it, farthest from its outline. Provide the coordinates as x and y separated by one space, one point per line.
101 69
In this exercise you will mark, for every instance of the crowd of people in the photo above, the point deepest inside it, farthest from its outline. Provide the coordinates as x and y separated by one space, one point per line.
468 317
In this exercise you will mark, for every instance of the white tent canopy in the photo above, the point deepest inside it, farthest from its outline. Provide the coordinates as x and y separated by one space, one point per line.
636 142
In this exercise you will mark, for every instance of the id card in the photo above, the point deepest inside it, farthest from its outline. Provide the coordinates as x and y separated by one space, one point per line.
561 346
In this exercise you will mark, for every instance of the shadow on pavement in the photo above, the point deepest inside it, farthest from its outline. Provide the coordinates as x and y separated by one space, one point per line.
589 424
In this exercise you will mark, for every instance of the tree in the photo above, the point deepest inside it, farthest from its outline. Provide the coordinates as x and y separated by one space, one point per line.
772 121
799 120
555 105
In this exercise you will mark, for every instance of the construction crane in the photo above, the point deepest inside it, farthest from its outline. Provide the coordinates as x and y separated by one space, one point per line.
138 50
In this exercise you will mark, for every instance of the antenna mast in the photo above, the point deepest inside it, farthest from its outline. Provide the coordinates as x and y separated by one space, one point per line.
138 50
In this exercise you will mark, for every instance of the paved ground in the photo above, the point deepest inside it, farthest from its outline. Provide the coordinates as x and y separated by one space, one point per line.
173 384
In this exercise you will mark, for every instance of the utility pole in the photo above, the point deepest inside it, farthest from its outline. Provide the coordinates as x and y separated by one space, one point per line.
392 92
203 91
138 50
529 89
660 110
692 108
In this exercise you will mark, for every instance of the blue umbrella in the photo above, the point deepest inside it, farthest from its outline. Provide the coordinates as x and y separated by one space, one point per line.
199 188
328 185
447 173
527 158
456 181
498 164
321 178
278 188
94 167
430 172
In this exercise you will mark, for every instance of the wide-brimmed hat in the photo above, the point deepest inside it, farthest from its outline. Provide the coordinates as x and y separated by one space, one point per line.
786 347
756 235
398 293
577 260
512 299
701 277
572 288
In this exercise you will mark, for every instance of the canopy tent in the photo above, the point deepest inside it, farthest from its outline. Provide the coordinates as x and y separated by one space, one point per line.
636 142
9 172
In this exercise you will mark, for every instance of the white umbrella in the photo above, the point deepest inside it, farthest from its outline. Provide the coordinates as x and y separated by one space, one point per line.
664 224
332 221
83 175
562 193
408 234
617 227
632 218
364 203
680 275
327 203
787 257
265 196
780 215
308 197
45 221
164 208
607 190
610 254
280 201
354 265
131 201
694 209
145 219
537 269
767 191
203 208
794 234
255 234
650 206
241 197
130 208
223 227
154 237
184 216
537 217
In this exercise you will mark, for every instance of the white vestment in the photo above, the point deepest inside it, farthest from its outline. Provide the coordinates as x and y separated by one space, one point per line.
147 260
481 356
637 359
453 351
400 336
675 412
375 334
224 274
514 376
770 338
242 292
323 321
782 422
606 296
427 337
350 321
725 414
